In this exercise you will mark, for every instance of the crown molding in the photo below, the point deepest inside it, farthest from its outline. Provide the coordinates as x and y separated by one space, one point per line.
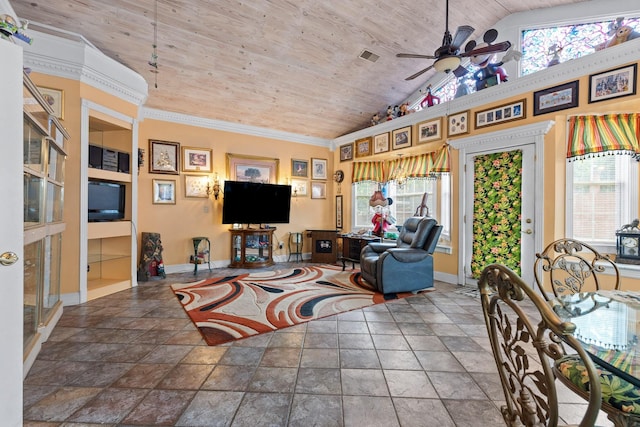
70 56
522 133
185 119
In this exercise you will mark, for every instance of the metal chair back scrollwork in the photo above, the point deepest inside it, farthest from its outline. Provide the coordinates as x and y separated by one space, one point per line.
568 266
525 338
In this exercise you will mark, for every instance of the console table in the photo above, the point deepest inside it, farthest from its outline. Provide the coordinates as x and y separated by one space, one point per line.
352 246
251 248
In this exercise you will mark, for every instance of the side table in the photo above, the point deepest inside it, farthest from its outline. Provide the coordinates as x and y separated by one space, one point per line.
196 245
295 246
352 246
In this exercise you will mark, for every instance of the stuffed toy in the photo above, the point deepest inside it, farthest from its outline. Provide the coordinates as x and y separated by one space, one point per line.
382 218
375 119
488 73
389 113
429 100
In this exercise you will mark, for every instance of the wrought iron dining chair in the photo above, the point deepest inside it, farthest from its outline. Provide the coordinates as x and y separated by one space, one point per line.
519 345
523 349
568 266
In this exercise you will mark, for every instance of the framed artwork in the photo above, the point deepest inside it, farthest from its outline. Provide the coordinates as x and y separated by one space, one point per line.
299 187
613 83
555 98
318 168
196 159
431 130
338 211
196 186
501 114
252 168
318 190
55 99
164 191
381 143
458 123
401 138
363 147
300 168
164 157
346 152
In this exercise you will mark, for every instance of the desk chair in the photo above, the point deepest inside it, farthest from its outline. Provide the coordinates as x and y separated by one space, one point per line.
568 266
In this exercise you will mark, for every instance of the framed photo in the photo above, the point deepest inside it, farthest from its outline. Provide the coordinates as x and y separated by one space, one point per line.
458 123
164 191
501 114
196 159
555 98
346 152
55 99
252 168
338 211
164 157
196 186
613 83
401 138
300 168
363 147
318 168
318 190
299 187
381 143
431 130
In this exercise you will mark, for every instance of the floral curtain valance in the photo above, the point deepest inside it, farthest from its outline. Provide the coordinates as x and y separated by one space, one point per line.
609 133
424 165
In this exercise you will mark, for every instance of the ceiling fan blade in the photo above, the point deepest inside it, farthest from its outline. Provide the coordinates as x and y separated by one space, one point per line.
492 48
414 55
419 73
462 33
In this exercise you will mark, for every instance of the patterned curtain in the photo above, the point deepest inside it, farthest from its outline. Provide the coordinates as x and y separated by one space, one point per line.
497 206
368 171
609 133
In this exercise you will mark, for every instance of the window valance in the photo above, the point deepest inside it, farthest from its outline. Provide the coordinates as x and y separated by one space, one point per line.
608 133
426 165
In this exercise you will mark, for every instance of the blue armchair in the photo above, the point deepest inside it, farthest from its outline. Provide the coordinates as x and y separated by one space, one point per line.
404 266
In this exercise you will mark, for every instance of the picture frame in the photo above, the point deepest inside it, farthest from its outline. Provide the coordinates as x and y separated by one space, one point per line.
164 191
55 99
339 212
458 123
252 168
196 159
614 83
429 130
364 147
346 152
300 168
195 186
318 190
299 187
318 168
164 157
501 114
381 143
556 98
401 138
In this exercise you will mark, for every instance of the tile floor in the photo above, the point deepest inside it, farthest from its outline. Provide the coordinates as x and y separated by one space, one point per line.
135 359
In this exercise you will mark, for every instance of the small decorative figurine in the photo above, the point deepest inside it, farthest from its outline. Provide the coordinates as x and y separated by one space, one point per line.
375 119
389 113
429 100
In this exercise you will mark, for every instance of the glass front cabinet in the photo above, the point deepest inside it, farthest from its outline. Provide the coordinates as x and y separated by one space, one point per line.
44 157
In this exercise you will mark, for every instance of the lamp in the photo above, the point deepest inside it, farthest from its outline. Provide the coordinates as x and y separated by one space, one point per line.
447 63
215 188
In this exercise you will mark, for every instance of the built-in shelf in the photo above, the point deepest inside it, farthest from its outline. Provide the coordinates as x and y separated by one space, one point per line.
101 230
108 175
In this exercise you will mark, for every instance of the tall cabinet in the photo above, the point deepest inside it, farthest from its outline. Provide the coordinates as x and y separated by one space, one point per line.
109 141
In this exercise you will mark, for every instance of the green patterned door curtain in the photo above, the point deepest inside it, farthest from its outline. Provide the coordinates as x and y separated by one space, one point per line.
497 209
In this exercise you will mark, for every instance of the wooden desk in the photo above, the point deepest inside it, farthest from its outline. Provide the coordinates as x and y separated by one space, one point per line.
352 246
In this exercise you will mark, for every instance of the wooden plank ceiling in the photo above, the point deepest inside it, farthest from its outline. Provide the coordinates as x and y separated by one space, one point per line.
289 65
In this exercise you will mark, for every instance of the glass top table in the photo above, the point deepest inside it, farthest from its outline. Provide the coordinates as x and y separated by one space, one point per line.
607 325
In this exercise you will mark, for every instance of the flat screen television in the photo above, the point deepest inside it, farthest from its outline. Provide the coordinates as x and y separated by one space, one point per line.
255 203
106 201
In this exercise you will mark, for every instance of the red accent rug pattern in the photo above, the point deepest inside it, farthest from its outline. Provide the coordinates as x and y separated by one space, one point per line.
233 307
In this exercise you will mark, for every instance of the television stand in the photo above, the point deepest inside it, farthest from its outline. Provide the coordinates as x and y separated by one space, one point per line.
251 248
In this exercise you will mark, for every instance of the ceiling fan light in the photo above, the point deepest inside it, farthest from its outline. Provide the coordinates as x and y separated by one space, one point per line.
447 63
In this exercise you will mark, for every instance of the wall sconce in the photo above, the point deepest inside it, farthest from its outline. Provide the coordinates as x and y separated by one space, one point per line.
213 188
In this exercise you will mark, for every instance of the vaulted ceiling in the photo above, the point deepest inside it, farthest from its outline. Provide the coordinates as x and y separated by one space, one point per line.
289 65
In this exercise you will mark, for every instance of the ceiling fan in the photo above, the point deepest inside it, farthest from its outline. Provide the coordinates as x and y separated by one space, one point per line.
448 56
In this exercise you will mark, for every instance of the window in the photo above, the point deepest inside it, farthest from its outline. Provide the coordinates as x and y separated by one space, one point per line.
406 199
602 196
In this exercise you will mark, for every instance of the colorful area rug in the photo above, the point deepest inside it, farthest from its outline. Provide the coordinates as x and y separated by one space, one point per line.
234 307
